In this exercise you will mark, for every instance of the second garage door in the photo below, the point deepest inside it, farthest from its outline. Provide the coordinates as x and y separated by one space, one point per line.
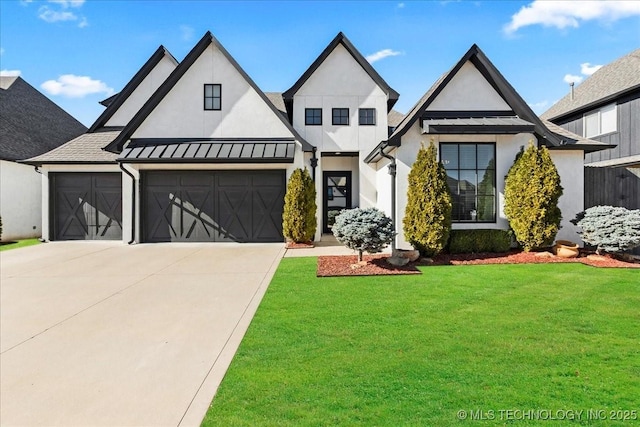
207 206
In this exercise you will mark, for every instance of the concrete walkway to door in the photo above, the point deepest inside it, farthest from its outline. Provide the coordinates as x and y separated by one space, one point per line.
105 334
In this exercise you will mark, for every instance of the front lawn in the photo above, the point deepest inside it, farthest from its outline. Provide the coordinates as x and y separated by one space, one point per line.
5 246
418 349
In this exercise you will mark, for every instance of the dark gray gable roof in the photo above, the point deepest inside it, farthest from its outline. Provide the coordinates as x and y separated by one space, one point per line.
114 102
208 39
494 78
344 41
30 123
610 82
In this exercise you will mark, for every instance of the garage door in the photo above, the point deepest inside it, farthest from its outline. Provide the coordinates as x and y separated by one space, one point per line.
86 206
207 206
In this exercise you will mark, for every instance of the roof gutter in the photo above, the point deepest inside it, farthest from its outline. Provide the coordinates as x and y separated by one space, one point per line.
133 203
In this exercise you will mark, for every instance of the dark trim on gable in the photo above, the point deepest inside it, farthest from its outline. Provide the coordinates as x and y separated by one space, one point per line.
114 102
208 39
497 81
466 114
392 95
478 130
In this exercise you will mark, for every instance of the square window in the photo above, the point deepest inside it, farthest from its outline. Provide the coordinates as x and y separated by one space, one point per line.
313 116
212 96
340 116
367 116
600 122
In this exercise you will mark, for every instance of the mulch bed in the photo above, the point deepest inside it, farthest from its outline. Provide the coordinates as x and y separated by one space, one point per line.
376 264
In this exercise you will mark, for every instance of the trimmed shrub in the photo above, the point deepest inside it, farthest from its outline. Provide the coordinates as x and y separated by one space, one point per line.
478 241
610 229
427 217
531 194
363 230
299 216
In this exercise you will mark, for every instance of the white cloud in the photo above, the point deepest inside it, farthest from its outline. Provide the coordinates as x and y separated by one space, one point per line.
83 23
381 54
570 78
562 13
73 86
10 73
187 32
68 3
25 2
49 15
537 106
587 69
400 5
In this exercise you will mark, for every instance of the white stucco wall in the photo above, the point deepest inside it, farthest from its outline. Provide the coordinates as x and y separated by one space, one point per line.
570 165
20 201
181 113
143 92
468 90
507 147
340 82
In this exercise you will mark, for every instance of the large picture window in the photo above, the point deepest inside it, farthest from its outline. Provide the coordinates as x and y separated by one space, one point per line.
471 175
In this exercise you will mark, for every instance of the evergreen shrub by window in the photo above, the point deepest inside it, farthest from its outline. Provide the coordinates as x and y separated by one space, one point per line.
427 217
479 241
531 194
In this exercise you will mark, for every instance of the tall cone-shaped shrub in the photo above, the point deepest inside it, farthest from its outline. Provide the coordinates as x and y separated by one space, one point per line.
299 215
427 217
531 194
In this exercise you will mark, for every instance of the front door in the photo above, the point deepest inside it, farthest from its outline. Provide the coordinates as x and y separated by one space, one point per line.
337 196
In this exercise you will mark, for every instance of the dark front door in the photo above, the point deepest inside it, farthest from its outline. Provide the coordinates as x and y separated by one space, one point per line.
337 196
208 206
86 206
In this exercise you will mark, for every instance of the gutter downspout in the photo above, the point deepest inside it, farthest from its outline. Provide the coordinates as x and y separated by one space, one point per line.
392 172
314 163
133 203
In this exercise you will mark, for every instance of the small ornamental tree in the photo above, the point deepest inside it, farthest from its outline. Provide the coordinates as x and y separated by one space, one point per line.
531 194
299 215
427 217
610 229
363 230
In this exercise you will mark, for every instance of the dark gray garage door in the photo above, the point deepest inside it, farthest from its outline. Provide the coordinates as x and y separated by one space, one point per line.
86 206
208 206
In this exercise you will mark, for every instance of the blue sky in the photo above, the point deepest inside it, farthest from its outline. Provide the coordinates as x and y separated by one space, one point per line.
79 52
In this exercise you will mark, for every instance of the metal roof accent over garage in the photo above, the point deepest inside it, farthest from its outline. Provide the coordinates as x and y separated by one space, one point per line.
209 151
490 125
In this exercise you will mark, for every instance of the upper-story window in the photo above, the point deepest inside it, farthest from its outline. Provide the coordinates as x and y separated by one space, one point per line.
367 116
313 116
600 122
340 116
471 175
212 96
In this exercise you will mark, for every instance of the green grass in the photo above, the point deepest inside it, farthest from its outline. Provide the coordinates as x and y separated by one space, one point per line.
414 350
5 246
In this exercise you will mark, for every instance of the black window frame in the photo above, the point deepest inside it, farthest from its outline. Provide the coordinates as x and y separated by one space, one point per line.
340 116
212 97
314 116
477 195
367 117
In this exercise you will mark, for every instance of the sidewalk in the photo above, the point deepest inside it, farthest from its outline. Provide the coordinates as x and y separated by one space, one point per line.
328 245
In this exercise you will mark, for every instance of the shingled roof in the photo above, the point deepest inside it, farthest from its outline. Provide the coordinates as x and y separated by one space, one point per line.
87 148
30 123
608 83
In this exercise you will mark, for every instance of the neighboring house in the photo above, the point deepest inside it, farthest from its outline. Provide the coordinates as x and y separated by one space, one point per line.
30 124
606 108
204 155
479 123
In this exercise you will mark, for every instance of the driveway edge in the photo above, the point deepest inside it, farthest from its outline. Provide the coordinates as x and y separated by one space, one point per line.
198 407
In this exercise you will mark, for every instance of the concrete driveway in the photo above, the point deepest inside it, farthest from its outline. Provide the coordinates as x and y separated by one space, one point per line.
101 333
